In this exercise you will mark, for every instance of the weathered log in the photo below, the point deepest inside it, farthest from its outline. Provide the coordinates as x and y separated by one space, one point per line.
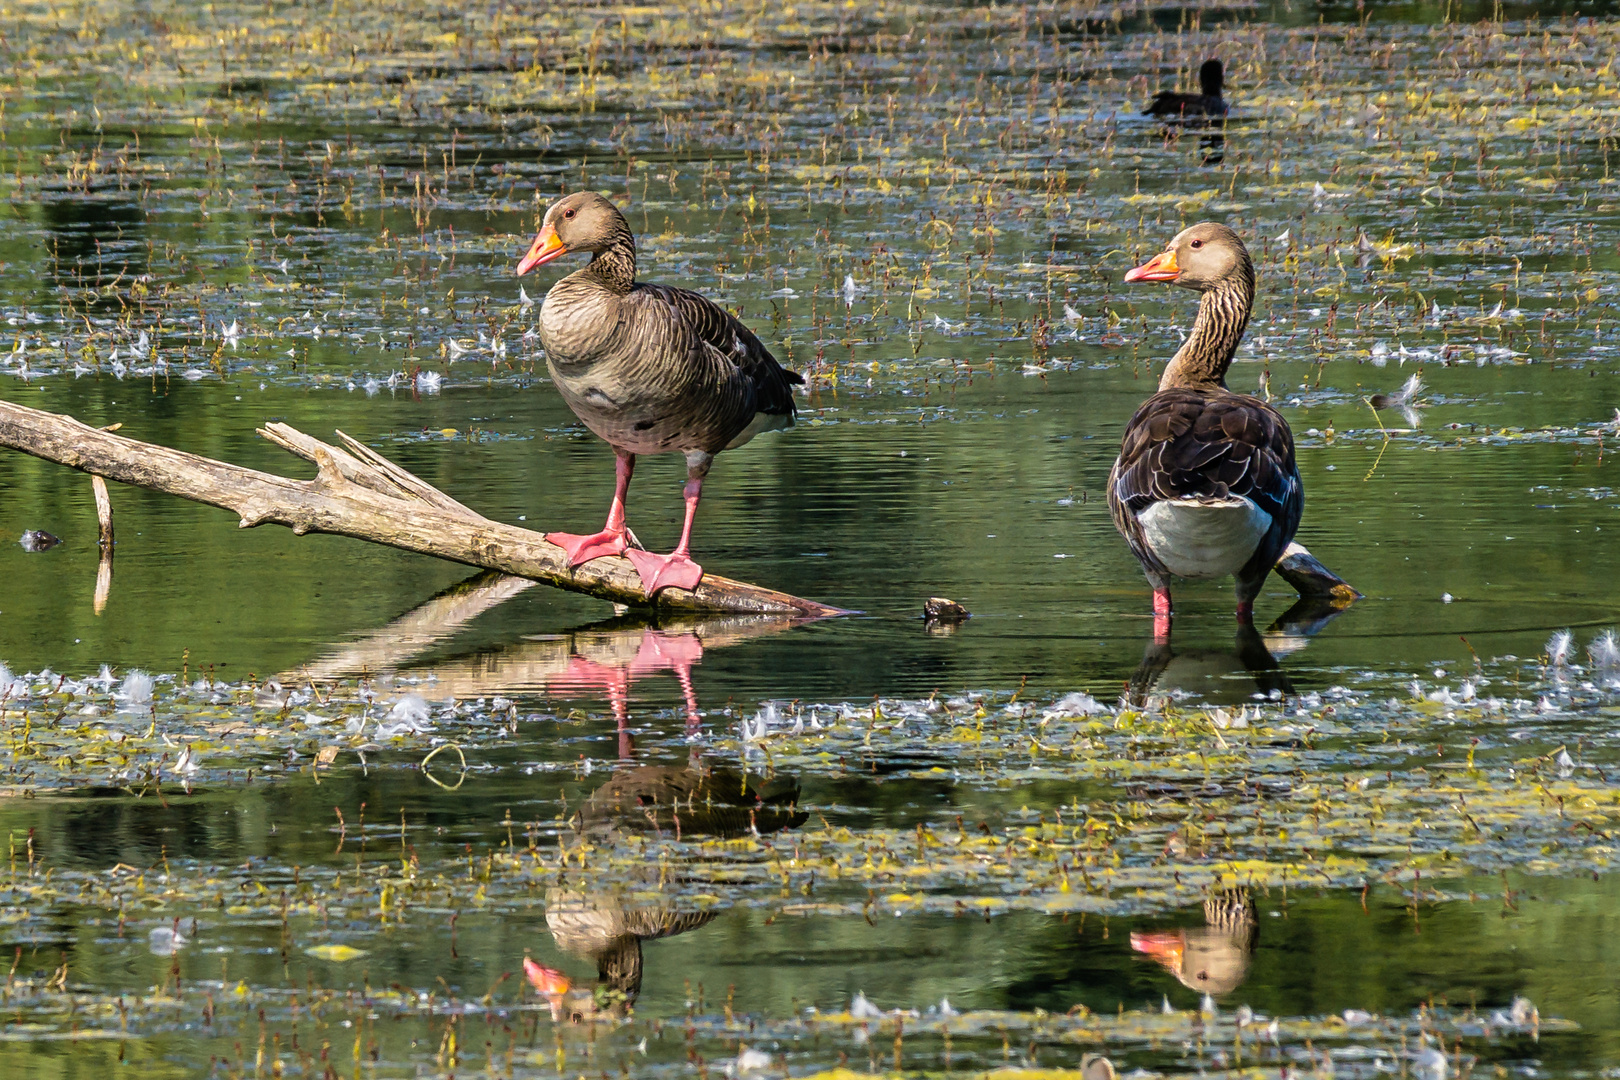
359 493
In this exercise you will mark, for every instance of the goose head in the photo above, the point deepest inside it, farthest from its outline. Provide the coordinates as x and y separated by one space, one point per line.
1211 78
583 221
1202 257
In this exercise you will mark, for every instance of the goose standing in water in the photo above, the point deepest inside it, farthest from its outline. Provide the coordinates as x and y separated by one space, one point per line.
1205 484
650 369
1209 102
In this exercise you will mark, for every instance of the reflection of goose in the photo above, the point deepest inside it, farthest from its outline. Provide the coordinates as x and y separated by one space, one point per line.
1213 958
598 926
1230 676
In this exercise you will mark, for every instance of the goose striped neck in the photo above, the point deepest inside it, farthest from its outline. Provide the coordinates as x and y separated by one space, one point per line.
615 265
1223 314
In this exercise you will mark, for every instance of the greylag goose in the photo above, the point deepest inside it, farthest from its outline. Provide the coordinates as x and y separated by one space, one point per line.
1208 102
1205 484
651 370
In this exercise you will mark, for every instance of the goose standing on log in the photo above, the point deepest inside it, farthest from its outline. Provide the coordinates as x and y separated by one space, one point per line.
1209 102
1205 484
650 369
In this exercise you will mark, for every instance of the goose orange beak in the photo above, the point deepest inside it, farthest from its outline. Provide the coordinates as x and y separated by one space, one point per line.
1162 267
546 246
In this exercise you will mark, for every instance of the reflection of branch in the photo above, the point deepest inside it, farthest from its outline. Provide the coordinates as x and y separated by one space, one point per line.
605 656
417 630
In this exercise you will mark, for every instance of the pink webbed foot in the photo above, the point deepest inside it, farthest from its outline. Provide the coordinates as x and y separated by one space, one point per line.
582 549
661 571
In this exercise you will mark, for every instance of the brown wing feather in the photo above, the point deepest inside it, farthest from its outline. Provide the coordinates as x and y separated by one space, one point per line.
725 333
1184 443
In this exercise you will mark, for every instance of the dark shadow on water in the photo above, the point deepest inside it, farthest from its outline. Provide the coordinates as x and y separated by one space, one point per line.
96 241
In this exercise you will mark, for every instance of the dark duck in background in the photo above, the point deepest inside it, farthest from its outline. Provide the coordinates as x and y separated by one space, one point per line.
1208 102
649 369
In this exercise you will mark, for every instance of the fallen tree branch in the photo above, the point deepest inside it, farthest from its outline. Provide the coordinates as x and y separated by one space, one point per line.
359 493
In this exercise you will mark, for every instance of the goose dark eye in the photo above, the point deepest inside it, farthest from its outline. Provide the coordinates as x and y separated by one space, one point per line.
568 213
1196 243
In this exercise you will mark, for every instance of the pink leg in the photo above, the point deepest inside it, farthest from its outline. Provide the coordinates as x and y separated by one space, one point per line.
676 568
1161 614
694 721
610 541
619 701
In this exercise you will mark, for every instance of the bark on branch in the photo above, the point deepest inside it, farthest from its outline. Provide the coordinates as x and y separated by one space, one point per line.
357 492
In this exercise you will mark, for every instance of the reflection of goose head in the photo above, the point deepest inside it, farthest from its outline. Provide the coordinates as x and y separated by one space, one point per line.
1231 676
1213 958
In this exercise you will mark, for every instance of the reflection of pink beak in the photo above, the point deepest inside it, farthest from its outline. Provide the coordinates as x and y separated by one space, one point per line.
551 983
546 246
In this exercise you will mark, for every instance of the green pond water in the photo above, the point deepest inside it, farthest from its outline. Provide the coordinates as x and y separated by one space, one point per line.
227 853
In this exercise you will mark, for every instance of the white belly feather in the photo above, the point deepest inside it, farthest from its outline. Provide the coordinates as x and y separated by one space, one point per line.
1203 538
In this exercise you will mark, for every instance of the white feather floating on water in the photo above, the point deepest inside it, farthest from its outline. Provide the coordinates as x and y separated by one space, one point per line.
1524 1013
1604 651
1075 704
748 1060
166 941
1558 648
862 1009
136 689
1430 1062
849 289
1409 391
